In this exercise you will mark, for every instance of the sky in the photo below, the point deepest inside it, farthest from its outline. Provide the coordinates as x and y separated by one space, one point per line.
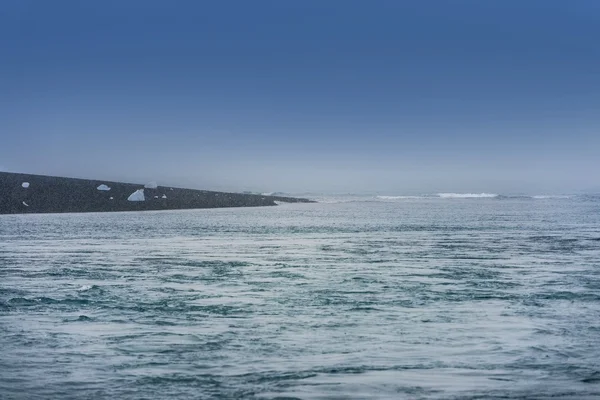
393 97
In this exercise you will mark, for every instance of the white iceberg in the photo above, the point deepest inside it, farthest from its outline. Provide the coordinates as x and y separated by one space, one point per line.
25 185
164 196
151 185
138 195
25 204
103 187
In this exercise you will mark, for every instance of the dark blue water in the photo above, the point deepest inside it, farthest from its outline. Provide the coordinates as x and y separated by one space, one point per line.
405 298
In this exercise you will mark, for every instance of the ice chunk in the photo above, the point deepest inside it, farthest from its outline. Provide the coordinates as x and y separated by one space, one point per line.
111 198
138 195
25 204
151 185
156 197
103 187
25 185
164 196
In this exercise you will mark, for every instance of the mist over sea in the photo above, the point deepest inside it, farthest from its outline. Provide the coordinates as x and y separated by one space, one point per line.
446 296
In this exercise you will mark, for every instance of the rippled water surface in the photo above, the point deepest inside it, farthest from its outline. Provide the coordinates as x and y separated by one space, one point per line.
399 299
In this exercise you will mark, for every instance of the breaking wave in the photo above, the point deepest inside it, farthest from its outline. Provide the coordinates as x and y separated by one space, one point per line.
436 196
551 197
466 195
398 197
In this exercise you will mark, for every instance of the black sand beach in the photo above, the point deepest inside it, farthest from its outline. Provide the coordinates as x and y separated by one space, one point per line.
50 194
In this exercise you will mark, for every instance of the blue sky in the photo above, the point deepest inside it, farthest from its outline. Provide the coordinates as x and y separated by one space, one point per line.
387 96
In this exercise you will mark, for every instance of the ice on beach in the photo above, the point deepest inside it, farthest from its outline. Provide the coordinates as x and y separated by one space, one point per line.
25 185
25 204
138 195
164 196
103 187
151 185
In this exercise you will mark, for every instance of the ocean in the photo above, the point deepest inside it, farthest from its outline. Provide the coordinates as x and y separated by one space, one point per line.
389 297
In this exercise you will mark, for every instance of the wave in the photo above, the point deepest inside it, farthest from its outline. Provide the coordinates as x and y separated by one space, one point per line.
439 196
398 197
466 195
544 196
338 200
281 194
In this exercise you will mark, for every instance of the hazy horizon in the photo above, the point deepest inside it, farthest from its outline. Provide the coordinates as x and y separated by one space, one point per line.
383 97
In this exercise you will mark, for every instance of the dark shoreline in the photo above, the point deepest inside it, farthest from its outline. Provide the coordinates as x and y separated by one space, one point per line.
51 194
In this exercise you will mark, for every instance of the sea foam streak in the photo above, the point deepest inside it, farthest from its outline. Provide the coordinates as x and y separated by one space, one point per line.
466 195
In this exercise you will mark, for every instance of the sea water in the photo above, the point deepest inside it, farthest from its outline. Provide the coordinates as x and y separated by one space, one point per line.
384 297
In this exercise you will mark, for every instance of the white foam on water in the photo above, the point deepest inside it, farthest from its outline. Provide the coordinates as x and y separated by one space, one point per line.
25 185
398 197
138 195
466 195
549 196
103 188
84 288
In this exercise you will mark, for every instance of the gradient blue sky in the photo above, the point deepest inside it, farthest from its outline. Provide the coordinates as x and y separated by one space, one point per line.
389 96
